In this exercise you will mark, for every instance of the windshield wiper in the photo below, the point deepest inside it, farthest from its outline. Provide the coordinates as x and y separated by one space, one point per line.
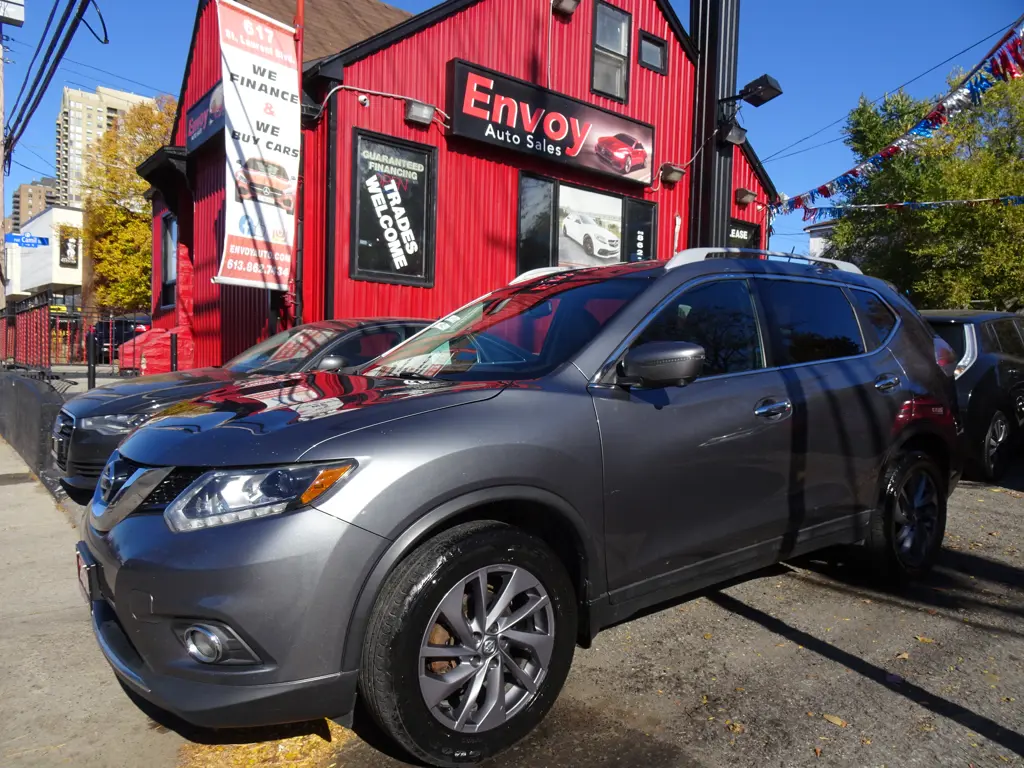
414 375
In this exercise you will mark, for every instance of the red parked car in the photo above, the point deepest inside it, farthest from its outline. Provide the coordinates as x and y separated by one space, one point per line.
622 151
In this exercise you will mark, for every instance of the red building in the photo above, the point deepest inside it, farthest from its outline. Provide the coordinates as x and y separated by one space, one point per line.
554 139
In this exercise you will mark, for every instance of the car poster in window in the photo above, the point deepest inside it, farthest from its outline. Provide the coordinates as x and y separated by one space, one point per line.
262 109
490 107
589 228
394 196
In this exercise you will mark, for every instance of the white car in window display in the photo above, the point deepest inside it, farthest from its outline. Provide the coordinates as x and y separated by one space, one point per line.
595 239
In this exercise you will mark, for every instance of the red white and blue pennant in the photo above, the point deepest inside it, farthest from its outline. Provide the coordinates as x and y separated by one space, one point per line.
828 213
1005 62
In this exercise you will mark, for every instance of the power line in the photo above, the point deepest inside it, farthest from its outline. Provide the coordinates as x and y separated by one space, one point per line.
880 98
104 71
35 54
801 151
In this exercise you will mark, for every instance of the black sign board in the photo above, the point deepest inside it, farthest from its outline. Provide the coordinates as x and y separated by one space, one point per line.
638 242
743 235
70 248
394 193
205 119
499 110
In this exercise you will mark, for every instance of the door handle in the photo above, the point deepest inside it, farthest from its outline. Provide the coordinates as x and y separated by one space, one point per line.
773 409
887 382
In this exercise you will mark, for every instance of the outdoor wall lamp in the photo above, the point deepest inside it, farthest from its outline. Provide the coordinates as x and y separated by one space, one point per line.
745 196
733 133
568 7
756 92
672 174
418 113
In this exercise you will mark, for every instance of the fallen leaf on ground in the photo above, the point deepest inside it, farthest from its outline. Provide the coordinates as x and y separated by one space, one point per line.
927 727
835 720
740 690
810 714
903 656
921 639
1008 699
993 533
736 727
817 751
865 741
996 490
708 636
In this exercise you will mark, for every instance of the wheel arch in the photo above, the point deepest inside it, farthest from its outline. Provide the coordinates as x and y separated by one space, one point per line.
537 511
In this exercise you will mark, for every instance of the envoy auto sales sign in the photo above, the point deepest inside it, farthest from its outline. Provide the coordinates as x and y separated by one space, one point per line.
499 110
262 112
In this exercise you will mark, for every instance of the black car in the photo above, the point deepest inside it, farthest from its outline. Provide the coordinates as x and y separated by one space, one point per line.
90 426
989 348
111 332
436 531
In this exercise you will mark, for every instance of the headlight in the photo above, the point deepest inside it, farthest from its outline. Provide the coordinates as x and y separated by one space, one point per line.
601 239
225 496
115 423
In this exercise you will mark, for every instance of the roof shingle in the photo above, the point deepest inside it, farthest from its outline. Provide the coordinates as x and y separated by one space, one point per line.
333 25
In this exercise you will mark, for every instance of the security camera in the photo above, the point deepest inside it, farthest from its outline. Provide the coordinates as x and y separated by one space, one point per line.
363 99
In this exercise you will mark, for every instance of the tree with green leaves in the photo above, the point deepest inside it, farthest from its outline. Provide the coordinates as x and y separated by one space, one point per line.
949 257
118 234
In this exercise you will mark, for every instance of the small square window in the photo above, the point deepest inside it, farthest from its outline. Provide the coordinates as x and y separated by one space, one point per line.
610 74
653 53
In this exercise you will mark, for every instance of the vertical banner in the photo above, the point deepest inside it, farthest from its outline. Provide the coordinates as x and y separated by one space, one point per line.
262 107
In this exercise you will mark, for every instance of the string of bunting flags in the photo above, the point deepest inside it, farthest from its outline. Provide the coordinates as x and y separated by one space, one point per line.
835 211
1004 62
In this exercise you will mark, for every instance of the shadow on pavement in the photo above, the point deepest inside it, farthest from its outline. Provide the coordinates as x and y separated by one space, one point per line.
940 706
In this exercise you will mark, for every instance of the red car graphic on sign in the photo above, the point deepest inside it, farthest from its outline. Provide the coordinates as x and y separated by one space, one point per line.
622 151
268 182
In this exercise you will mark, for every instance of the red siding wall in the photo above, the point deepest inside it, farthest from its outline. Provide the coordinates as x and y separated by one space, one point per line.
757 212
477 199
314 183
204 66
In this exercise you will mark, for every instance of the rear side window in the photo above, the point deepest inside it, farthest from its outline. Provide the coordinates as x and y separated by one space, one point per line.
952 334
1009 339
809 322
876 319
720 317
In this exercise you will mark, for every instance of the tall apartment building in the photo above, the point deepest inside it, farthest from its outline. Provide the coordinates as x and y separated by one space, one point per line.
83 118
28 200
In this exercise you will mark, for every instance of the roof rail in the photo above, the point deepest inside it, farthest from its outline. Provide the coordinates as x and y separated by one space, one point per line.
532 274
693 255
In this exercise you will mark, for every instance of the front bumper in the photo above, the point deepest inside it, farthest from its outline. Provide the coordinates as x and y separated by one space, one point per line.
285 585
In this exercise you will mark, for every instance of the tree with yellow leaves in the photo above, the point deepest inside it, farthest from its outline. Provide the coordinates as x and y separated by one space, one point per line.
118 226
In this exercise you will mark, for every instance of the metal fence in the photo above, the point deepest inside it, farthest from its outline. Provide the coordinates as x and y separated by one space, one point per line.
41 335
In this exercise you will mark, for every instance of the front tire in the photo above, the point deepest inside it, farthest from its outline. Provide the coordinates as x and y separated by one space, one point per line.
588 245
994 451
906 531
469 643
627 165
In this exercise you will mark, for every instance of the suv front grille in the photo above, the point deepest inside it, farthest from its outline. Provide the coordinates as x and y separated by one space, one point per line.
170 489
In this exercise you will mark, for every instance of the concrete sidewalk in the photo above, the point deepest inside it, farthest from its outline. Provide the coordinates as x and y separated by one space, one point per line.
59 701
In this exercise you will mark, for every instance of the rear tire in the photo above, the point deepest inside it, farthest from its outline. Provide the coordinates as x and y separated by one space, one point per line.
481 713
906 530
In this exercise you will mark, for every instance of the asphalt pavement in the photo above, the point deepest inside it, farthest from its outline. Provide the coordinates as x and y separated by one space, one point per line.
803 664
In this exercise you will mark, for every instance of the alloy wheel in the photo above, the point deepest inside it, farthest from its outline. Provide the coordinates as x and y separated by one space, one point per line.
995 438
487 649
627 166
916 517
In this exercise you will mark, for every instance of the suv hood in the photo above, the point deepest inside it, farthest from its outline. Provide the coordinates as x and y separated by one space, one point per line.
278 419
148 392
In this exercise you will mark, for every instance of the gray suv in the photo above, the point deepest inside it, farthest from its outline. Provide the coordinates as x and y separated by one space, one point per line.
435 532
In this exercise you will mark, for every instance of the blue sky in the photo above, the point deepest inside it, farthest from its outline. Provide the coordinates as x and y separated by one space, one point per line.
825 55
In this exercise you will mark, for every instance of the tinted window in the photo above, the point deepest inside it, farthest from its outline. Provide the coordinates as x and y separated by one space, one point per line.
876 319
809 321
952 334
989 342
1008 337
363 346
718 316
536 203
520 332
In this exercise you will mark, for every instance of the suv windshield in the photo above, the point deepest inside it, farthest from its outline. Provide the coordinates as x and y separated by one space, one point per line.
516 333
285 352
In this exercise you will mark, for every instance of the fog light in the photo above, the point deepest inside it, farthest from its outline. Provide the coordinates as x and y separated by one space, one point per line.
203 645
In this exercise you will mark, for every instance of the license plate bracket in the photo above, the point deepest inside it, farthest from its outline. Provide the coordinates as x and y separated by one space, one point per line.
88 574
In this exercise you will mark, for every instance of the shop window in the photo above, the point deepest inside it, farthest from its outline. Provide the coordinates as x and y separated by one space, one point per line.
565 225
610 56
394 189
653 53
168 259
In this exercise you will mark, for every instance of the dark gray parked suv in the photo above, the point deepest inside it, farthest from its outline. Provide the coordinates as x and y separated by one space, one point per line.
437 532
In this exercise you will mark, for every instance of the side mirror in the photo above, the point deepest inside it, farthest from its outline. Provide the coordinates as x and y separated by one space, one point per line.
662 364
332 363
